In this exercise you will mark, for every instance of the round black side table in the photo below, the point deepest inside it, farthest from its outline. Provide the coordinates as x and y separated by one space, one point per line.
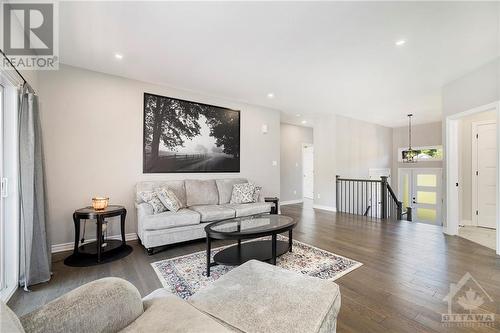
93 253
274 200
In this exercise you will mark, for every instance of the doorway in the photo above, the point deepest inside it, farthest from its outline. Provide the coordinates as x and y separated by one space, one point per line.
308 171
420 189
454 181
484 171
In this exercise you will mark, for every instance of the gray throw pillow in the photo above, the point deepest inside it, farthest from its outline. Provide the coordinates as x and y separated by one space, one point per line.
168 199
151 198
256 193
242 193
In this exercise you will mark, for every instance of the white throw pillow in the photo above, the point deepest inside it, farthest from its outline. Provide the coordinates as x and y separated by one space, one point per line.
151 198
168 199
242 193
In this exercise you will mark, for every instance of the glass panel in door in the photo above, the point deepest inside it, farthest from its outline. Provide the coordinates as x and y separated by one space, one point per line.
426 195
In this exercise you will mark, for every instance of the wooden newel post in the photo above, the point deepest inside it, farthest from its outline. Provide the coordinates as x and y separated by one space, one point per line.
408 214
383 195
337 193
400 210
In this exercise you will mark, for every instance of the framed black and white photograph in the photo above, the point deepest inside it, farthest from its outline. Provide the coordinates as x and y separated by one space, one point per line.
183 136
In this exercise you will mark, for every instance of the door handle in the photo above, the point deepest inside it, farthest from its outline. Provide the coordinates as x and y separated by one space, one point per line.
4 188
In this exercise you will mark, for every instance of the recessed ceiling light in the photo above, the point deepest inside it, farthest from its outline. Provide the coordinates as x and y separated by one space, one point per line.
118 56
400 42
304 122
270 95
297 115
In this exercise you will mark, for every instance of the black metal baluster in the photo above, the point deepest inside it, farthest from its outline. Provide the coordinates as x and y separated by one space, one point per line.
358 210
370 200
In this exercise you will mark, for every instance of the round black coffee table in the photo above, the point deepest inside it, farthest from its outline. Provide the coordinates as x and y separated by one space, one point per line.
242 228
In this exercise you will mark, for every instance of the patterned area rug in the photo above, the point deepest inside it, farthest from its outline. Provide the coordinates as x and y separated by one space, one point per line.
186 274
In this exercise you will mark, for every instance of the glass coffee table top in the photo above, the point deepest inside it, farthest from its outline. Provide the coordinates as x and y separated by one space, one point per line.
251 225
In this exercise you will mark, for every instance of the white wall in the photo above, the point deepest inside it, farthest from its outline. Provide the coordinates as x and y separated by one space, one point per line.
92 129
465 166
324 162
292 139
346 147
480 87
361 146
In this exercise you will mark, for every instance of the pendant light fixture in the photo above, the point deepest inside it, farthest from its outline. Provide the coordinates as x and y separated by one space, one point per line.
409 155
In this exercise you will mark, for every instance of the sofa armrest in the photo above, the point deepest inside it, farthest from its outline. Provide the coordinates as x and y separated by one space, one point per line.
144 209
154 295
105 305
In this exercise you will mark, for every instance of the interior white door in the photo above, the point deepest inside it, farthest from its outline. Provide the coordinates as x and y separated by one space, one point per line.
485 174
2 194
308 171
420 189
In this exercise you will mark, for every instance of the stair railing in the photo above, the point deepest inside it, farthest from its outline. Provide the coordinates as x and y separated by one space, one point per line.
369 197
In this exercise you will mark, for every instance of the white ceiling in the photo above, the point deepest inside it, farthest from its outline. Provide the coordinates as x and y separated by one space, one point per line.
321 57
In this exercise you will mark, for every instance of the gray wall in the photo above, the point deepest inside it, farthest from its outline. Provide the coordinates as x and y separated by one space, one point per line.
347 147
92 129
465 166
292 139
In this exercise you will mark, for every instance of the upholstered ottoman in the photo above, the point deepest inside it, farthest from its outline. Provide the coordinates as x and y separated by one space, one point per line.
258 297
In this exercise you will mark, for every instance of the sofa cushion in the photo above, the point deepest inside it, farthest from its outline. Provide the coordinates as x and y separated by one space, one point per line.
9 321
214 212
265 294
225 188
201 192
250 208
169 219
177 186
172 314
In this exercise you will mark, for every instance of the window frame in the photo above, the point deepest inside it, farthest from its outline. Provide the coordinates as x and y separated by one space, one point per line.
432 159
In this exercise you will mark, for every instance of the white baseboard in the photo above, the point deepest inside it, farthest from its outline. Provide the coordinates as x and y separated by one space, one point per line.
69 246
323 207
466 223
291 202
6 294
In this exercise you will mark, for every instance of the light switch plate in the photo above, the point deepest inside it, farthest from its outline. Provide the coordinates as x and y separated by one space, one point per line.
264 129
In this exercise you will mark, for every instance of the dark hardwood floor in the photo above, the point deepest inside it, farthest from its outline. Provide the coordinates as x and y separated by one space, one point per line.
407 270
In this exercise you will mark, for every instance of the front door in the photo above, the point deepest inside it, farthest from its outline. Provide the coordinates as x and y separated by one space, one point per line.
420 189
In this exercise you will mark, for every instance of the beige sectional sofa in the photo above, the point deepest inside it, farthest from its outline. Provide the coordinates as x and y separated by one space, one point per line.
202 201
254 297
